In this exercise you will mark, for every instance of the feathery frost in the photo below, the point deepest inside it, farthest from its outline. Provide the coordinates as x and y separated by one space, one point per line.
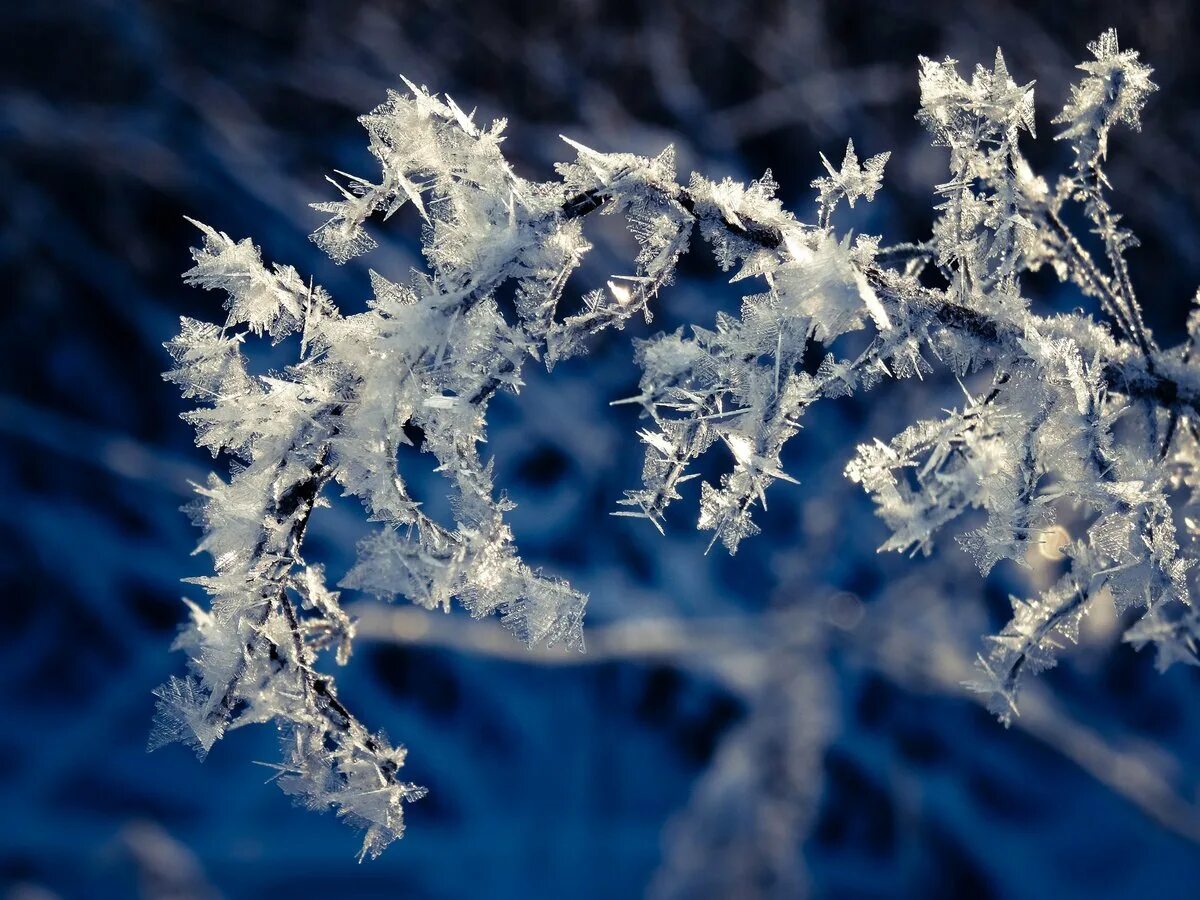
1086 419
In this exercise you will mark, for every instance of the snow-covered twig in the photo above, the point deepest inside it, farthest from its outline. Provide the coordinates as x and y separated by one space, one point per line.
1074 413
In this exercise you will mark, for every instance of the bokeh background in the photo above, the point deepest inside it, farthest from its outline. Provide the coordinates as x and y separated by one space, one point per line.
785 722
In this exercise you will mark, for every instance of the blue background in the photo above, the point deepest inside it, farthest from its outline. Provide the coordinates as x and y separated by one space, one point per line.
878 775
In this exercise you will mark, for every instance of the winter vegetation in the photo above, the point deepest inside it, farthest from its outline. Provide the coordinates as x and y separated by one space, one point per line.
1074 428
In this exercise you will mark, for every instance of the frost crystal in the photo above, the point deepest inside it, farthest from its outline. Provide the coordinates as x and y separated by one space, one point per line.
1088 426
1114 91
852 181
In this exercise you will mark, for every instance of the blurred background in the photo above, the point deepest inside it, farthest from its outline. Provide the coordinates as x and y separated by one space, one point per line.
785 723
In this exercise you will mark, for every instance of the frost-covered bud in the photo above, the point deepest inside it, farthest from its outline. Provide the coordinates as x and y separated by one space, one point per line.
1114 91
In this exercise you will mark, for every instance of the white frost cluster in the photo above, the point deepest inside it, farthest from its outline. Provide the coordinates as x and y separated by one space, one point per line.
1084 418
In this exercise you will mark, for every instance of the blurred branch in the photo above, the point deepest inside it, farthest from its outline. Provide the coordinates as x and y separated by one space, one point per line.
729 644
1128 772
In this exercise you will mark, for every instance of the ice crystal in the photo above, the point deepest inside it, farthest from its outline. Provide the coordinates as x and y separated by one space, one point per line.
1078 414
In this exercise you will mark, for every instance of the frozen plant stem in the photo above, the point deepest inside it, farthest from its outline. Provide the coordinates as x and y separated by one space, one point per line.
428 356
